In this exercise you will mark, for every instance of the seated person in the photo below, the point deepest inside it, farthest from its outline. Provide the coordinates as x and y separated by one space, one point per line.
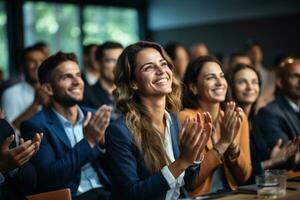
15 173
24 99
199 49
235 59
69 155
245 89
90 72
180 57
280 119
143 145
227 153
100 93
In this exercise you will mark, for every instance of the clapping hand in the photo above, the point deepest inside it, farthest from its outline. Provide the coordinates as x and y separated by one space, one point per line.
282 153
94 126
193 137
17 156
231 121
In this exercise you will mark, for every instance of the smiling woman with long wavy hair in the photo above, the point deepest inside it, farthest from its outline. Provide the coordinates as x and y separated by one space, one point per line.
146 157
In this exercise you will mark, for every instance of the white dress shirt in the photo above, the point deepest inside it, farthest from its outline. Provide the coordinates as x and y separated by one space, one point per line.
174 183
90 77
16 99
294 106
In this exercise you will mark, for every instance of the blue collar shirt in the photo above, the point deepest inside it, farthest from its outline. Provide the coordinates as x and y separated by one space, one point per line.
89 178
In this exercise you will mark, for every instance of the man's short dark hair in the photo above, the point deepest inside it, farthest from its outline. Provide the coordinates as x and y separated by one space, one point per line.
40 44
28 50
106 45
46 69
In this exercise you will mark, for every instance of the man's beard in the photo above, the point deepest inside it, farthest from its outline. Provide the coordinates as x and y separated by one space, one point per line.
66 101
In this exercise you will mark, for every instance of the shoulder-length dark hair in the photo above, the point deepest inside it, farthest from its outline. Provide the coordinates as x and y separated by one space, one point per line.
137 117
189 100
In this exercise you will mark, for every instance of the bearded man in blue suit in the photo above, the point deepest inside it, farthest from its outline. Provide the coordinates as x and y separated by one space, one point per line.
71 154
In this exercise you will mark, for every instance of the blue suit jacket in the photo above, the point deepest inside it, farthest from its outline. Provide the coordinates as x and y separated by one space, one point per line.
278 120
58 165
130 177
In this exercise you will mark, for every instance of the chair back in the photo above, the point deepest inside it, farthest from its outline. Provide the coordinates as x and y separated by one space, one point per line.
63 194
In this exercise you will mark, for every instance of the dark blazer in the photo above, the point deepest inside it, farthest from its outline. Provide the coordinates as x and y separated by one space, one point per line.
278 120
83 77
58 165
130 177
18 183
95 96
259 153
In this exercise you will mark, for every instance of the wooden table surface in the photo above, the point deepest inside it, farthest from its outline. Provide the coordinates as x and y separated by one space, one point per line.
291 194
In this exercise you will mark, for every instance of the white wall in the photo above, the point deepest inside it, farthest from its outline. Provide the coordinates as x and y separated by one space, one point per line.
164 14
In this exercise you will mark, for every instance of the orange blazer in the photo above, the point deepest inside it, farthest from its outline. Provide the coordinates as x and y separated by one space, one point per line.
236 170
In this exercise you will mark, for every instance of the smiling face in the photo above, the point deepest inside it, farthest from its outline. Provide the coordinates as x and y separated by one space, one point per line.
246 86
152 74
211 84
67 85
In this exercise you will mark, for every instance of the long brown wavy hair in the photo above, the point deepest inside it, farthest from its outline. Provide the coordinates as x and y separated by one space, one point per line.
146 137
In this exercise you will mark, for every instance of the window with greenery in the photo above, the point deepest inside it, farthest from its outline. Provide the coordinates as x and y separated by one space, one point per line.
3 41
54 23
102 23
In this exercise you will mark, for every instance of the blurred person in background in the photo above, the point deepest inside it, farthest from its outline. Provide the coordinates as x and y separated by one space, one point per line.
43 47
100 93
254 51
22 100
280 119
235 59
91 71
271 88
180 57
199 49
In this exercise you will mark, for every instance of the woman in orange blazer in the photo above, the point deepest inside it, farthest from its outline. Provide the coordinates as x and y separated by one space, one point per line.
227 154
